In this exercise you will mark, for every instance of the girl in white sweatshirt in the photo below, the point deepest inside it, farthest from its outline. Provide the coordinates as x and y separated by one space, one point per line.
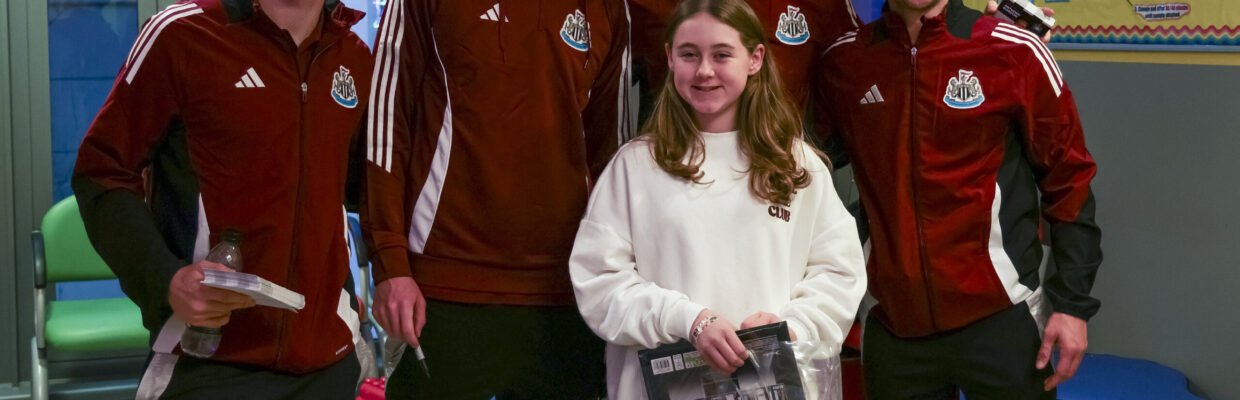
720 217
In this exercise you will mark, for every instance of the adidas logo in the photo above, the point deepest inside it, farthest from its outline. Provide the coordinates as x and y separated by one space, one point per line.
872 96
250 80
492 14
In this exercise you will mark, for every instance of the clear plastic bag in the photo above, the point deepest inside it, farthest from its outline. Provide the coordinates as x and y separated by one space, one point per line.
820 370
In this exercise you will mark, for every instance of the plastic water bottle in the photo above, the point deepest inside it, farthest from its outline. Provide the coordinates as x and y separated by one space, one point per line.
200 341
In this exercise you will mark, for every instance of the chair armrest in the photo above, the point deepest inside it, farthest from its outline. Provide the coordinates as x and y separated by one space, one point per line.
40 286
365 294
40 260
40 318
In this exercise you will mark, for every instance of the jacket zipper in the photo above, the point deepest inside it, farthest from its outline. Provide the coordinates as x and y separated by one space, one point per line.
290 278
921 245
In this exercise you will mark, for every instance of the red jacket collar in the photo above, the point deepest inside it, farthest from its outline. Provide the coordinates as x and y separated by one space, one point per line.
932 28
341 16
337 21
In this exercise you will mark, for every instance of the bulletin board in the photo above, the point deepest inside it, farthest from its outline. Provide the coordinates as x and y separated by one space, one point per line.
1159 24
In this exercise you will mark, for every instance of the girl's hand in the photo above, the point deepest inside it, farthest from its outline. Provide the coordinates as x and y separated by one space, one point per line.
764 318
716 341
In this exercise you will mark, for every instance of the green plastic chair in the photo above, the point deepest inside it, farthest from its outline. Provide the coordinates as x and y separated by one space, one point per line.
76 329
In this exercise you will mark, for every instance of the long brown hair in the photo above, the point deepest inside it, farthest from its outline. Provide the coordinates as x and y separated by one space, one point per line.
770 127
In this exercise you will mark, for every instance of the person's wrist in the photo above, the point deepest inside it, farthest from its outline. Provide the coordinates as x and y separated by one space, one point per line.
700 326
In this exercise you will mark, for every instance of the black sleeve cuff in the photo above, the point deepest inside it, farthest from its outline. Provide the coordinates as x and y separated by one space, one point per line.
1077 248
123 232
1083 308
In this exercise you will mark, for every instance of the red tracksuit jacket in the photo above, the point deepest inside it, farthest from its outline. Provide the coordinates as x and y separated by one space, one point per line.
488 122
961 143
236 134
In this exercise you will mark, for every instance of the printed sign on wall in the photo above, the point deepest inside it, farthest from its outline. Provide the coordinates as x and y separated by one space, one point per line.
1142 22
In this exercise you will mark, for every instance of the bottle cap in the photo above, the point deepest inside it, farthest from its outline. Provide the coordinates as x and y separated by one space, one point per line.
232 236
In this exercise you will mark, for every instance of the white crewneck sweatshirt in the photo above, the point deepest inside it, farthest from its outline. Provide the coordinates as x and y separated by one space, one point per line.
653 250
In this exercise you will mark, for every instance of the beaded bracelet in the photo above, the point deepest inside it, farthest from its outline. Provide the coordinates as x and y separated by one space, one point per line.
701 326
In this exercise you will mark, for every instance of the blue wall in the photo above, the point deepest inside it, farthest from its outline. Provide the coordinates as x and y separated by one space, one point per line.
367 28
868 10
88 41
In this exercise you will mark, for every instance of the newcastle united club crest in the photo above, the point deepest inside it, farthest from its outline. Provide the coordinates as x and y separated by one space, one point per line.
343 90
576 31
792 28
964 91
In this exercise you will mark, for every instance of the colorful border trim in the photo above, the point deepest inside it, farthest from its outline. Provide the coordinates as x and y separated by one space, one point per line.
1160 35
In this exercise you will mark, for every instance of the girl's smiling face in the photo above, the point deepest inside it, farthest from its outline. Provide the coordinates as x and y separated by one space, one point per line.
710 67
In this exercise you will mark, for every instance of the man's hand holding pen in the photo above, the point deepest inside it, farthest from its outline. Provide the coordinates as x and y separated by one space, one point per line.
400 309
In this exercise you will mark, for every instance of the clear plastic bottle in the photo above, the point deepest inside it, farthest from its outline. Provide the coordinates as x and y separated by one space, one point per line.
199 341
